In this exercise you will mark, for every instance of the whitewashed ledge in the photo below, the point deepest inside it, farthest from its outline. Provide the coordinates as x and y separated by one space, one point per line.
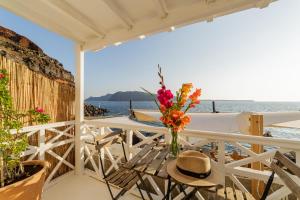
229 122
124 122
216 122
118 120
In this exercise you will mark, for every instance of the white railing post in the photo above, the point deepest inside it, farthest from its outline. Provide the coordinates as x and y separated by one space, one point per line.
234 169
129 135
42 133
79 107
60 138
298 157
102 152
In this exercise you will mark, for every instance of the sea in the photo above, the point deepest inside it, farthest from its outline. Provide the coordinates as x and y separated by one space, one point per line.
120 108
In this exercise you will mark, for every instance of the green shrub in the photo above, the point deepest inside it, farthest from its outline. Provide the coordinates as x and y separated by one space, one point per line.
12 142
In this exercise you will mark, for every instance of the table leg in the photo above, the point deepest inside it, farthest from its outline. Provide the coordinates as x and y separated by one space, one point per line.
191 194
167 195
182 189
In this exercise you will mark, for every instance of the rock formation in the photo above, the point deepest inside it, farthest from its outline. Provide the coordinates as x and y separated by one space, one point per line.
93 111
22 50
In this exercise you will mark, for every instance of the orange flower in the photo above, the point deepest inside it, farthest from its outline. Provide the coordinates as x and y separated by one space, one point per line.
163 108
184 91
194 97
186 119
186 87
176 114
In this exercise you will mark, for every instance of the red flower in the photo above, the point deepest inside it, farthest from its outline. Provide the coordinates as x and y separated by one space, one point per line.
39 110
2 75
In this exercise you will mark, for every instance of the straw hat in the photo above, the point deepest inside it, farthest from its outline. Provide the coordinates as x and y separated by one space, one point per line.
192 168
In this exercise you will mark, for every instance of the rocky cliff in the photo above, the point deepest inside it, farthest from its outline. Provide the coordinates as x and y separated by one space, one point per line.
22 50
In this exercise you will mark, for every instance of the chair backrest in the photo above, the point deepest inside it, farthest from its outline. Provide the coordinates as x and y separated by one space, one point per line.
108 139
279 163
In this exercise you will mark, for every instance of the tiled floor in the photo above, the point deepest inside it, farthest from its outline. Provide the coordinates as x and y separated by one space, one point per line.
80 187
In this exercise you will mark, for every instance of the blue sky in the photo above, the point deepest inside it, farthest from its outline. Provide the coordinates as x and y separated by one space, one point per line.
253 54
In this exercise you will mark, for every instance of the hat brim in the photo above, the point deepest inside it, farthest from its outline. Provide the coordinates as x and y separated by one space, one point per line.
189 180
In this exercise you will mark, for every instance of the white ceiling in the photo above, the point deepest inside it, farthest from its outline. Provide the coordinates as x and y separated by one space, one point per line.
100 23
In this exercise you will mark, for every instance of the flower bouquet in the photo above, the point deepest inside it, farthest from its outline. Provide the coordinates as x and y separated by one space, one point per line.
174 109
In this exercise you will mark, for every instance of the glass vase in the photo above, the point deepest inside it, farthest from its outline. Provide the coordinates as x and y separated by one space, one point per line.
174 146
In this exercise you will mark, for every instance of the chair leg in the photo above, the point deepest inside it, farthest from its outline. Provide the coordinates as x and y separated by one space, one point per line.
109 189
104 176
144 185
137 185
124 153
121 193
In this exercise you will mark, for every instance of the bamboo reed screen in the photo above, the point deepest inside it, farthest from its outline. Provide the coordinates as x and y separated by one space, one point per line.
31 89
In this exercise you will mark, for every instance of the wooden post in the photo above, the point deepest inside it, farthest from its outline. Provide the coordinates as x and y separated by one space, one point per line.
221 162
257 129
79 107
129 135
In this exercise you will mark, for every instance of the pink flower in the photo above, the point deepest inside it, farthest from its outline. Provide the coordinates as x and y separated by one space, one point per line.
169 104
2 75
169 94
39 110
165 97
160 91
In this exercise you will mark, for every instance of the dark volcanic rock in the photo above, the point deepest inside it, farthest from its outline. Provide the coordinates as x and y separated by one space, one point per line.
22 50
92 111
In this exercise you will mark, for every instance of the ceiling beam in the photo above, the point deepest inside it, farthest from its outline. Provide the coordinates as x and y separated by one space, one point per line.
123 16
67 9
156 25
25 11
263 3
162 8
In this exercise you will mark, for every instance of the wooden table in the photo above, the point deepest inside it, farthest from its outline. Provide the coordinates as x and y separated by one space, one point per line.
151 160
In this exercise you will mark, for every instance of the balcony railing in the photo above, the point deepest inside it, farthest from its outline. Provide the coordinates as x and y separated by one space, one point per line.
235 170
55 143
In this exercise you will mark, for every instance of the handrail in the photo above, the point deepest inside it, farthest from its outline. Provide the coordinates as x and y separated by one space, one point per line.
62 134
226 167
230 137
43 126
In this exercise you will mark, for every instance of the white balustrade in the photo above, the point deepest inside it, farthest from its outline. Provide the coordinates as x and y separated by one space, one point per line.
233 169
62 133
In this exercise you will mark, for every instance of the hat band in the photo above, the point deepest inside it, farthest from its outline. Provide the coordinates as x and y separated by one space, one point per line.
193 174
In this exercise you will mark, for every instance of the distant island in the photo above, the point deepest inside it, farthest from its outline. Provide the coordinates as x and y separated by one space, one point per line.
139 96
123 96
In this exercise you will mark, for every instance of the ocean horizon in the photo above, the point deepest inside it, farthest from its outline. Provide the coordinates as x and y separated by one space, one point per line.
121 108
